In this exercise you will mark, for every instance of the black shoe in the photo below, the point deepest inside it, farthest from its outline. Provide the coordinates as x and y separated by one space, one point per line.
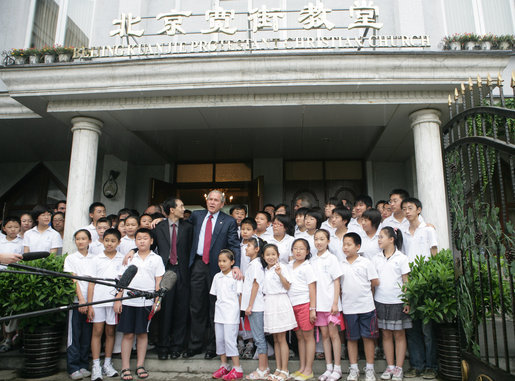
210 355
175 355
190 353
162 355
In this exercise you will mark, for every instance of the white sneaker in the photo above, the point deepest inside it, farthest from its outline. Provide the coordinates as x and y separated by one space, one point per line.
85 372
96 373
387 374
109 370
370 375
77 375
353 374
397 374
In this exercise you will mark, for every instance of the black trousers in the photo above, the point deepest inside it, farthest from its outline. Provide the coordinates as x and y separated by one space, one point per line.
173 317
202 308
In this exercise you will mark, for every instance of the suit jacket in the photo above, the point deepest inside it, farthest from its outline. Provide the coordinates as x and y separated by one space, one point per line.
184 238
225 236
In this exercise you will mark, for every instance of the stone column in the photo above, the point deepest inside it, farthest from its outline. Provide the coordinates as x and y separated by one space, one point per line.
430 171
81 178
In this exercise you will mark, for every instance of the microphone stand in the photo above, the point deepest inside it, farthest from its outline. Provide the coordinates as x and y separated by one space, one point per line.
136 294
44 272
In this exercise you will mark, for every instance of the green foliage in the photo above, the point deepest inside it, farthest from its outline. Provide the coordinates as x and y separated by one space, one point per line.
430 290
27 293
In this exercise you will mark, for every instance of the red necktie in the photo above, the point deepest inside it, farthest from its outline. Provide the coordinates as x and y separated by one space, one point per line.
207 239
173 247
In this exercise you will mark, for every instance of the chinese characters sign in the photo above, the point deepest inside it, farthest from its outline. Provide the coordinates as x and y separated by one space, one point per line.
221 25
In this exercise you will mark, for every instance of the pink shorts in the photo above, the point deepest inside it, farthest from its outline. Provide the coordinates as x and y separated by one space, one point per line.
324 318
301 312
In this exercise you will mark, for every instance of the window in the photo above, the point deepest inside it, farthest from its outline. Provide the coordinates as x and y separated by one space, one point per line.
218 172
45 23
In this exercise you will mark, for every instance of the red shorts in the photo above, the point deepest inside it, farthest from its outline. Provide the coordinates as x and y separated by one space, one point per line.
301 312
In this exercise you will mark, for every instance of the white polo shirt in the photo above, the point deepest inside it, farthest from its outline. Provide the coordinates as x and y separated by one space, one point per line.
355 227
272 284
96 247
420 243
45 241
394 223
284 247
311 240
14 246
327 226
126 245
81 265
244 260
390 272
227 291
336 247
145 280
104 267
93 230
266 236
255 272
327 271
302 276
356 287
370 246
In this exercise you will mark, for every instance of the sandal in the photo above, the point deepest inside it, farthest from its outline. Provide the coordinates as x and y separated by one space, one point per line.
275 376
258 374
335 375
143 374
284 373
125 374
324 376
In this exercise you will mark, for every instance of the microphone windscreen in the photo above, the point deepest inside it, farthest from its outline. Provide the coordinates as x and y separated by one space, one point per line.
30 256
168 281
127 276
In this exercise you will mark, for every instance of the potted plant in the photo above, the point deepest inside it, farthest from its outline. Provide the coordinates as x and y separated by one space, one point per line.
64 53
452 42
505 41
487 41
34 55
48 53
469 40
20 56
42 335
431 293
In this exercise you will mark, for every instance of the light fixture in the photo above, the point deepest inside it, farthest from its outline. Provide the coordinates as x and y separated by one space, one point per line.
110 187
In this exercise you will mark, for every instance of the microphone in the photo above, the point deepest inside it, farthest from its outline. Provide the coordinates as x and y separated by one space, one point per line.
127 277
167 282
30 256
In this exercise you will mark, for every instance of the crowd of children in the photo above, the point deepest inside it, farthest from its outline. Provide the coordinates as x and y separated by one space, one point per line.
332 276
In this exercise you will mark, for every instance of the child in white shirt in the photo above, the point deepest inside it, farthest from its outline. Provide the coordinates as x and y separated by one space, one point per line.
128 241
279 317
97 247
227 316
79 329
42 237
107 264
328 305
135 312
302 295
370 221
359 276
11 242
392 315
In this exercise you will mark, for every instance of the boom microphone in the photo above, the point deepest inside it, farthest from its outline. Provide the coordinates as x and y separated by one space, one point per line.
30 256
167 282
127 277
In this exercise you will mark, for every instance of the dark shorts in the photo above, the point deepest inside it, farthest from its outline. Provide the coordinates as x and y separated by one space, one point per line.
134 320
361 325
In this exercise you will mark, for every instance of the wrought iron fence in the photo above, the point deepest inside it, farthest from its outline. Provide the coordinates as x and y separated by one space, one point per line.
479 147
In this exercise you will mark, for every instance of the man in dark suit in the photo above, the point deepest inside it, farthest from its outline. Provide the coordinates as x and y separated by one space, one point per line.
213 230
173 237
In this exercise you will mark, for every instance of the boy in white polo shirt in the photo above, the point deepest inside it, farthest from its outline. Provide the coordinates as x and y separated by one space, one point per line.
107 264
358 279
97 247
419 240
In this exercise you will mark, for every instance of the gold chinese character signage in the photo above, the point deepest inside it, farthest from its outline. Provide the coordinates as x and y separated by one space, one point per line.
220 30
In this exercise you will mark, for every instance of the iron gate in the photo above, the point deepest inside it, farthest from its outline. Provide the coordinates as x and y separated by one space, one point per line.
478 144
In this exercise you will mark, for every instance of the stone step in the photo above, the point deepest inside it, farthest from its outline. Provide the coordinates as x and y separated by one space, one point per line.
196 364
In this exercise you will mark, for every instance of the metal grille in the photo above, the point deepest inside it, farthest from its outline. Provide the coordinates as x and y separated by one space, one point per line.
478 150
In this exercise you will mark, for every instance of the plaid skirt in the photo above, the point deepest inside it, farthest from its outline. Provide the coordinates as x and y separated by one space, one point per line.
391 317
